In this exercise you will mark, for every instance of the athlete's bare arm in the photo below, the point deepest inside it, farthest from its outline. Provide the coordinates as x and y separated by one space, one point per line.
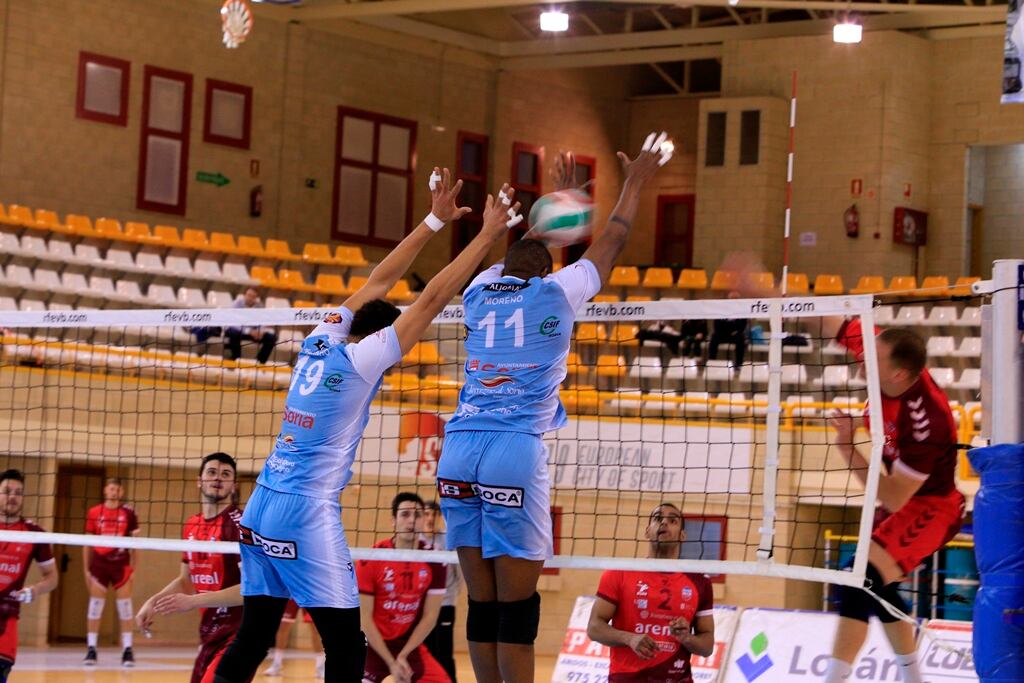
442 287
180 584
600 631
428 620
394 265
701 639
894 488
400 669
606 248
174 603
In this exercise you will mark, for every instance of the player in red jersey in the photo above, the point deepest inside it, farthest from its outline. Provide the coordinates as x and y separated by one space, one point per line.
922 508
203 574
658 619
110 568
15 559
400 604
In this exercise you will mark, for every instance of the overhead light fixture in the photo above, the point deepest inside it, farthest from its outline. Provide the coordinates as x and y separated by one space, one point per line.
733 3
847 32
554 21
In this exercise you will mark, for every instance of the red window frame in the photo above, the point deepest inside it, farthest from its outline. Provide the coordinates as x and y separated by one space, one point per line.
474 219
84 58
719 519
239 89
534 188
575 252
374 168
556 538
184 136
659 237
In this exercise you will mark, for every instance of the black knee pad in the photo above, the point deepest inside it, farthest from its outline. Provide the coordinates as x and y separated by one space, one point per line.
518 621
891 595
856 603
5 669
482 621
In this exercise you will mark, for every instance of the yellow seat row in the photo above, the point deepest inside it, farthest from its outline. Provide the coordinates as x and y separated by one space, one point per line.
170 236
327 284
796 283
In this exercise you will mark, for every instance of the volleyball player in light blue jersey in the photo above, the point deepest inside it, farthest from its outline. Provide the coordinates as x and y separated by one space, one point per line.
293 543
492 476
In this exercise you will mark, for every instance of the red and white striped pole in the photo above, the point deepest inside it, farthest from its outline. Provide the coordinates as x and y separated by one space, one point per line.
789 187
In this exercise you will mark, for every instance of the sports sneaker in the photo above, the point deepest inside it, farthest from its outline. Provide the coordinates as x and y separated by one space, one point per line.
127 658
90 657
274 669
321 665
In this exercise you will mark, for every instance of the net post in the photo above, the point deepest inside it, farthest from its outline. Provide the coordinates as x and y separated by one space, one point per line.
771 463
877 432
1007 353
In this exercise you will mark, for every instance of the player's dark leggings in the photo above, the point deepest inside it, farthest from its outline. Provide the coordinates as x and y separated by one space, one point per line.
344 643
5 669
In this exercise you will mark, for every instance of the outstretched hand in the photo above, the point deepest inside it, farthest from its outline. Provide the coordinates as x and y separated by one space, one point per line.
563 175
443 196
501 214
655 153
842 423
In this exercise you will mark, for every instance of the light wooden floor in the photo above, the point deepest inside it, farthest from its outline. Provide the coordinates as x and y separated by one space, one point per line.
164 665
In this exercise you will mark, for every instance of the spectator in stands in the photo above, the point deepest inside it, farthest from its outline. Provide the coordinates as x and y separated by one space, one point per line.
687 340
729 331
234 335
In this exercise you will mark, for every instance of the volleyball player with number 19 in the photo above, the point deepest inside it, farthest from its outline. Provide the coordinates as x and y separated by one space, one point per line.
293 543
492 475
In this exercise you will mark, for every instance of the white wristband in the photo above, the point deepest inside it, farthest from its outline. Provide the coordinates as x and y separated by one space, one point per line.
433 222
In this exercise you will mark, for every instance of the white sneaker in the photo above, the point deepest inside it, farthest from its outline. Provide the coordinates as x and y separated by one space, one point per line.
321 664
274 669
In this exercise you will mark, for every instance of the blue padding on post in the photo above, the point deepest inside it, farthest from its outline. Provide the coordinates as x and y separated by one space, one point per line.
999 550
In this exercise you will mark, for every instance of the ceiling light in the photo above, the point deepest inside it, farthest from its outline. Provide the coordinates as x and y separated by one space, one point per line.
847 32
554 21
733 3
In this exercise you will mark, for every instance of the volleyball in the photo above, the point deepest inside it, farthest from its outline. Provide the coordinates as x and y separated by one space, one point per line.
562 218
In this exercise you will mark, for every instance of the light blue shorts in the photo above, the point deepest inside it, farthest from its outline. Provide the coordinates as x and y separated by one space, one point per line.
495 493
294 547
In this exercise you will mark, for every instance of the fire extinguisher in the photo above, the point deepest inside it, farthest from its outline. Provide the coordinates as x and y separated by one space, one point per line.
256 201
851 219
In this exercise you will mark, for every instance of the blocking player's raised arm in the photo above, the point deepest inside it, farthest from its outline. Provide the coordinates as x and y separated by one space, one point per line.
499 216
606 248
444 208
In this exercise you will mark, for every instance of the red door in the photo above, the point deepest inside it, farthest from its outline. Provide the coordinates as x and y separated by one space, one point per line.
674 231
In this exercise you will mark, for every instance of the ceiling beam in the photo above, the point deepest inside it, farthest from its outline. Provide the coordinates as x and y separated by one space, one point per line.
440 34
573 61
354 10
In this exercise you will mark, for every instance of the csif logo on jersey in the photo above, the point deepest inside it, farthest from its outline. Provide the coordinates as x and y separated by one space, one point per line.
549 327
333 382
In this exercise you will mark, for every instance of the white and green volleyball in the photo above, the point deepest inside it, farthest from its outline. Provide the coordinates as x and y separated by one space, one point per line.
562 218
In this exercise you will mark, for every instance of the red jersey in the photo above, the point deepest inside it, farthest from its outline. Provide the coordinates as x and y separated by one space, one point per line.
213 571
647 602
104 521
920 432
15 559
398 590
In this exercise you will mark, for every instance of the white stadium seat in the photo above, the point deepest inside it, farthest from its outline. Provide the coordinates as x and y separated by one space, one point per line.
646 367
796 402
32 304
794 374
129 290
150 260
910 315
731 409
9 242
17 275
678 370
120 257
884 315
34 244
697 403
852 405
207 267
218 299
970 347
236 271
7 303
60 250
191 297
839 376
178 263
162 295
941 315
755 373
718 371
941 346
46 278
971 317
760 410
74 283
970 380
277 302
86 252
942 376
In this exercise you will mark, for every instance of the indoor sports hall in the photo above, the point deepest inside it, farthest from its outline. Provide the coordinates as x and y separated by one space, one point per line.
189 188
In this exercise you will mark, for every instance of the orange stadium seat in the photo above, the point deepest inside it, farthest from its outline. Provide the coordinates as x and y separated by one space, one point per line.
292 279
637 298
317 253
251 246
903 284
610 365
796 283
302 303
401 292
724 280
658 278
869 284
330 284
356 282
79 225
423 353
624 334
962 287
266 276
934 285
137 232
20 215
625 276
761 281
590 333
828 284
573 367
691 278
4 218
280 249
167 235
605 299
109 228
223 242
194 238
48 220
350 256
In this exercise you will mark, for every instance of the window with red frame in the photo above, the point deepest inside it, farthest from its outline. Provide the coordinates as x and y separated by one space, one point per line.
102 88
586 176
471 168
163 146
375 159
527 165
705 540
556 537
227 119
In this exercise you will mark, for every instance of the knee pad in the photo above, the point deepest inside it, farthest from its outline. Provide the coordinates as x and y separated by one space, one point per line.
124 609
891 595
518 621
482 621
95 610
855 603
5 669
